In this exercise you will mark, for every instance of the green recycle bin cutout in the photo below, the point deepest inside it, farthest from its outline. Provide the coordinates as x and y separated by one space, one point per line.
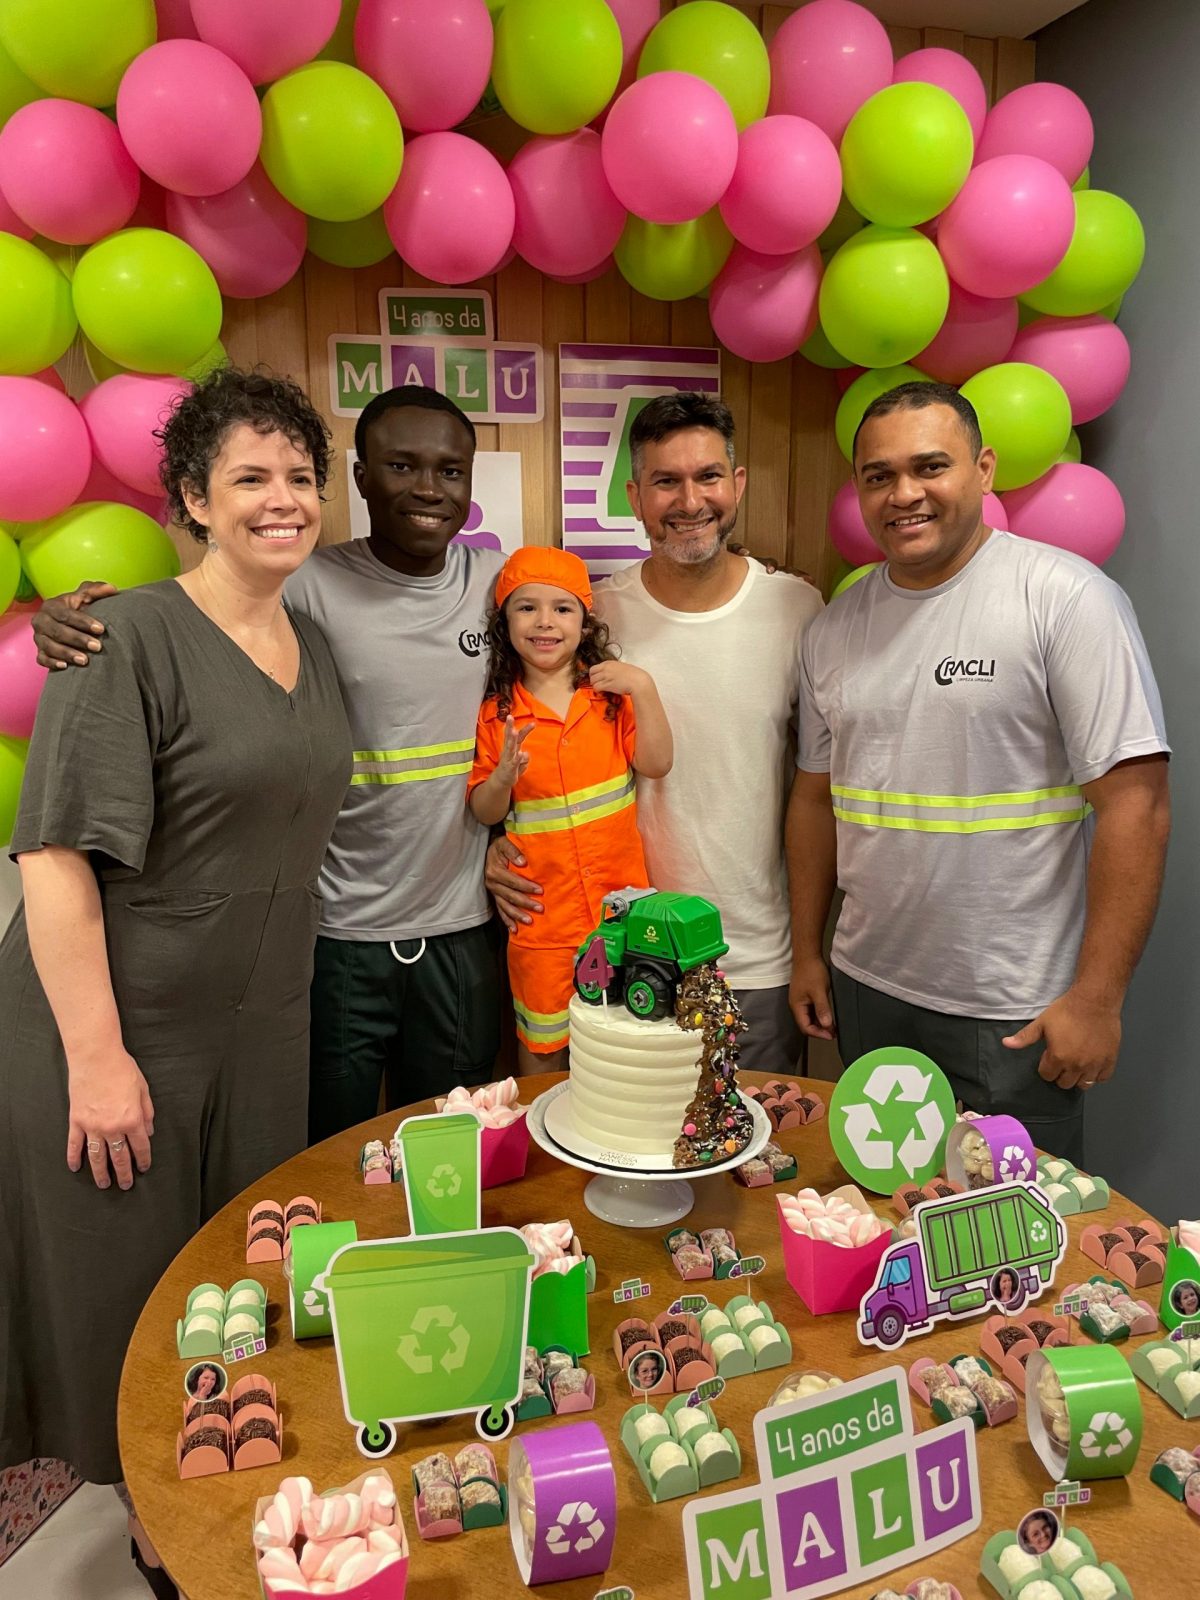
441 1172
310 1249
429 1326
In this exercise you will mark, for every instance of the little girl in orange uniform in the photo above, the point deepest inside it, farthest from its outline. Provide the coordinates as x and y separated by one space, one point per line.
563 729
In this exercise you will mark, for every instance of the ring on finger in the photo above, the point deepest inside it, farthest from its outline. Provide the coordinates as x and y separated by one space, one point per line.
116 1145
94 1146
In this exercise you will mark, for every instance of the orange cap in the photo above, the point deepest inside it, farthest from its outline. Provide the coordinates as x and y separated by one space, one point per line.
539 563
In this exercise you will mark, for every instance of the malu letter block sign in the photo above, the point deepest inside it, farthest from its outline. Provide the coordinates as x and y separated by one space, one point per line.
847 1492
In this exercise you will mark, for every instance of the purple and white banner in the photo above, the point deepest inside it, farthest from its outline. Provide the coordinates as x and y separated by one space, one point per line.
602 387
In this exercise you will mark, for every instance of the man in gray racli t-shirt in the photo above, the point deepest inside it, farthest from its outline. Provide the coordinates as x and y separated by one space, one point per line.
982 744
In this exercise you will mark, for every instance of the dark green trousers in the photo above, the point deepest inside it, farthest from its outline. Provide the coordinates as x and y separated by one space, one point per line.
419 1017
984 1074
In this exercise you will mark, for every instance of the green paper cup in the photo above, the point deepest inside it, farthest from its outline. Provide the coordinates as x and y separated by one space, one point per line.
1104 1412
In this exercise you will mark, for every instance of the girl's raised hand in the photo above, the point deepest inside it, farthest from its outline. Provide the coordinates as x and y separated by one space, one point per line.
513 760
617 677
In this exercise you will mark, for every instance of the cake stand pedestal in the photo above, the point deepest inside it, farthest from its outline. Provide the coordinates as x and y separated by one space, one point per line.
630 1196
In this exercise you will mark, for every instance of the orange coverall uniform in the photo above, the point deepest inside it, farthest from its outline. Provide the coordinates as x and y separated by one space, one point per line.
573 817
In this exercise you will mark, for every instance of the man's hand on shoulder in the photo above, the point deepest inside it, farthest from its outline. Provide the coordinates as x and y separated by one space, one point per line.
63 630
769 564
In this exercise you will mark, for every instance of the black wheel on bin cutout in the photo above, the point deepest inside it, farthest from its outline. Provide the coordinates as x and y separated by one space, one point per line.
376 1442
495 1422
648 994
889 1326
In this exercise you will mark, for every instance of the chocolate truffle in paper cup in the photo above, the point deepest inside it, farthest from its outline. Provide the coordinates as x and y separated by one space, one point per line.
1102 1429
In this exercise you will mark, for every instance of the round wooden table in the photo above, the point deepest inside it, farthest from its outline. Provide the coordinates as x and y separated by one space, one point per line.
202 1527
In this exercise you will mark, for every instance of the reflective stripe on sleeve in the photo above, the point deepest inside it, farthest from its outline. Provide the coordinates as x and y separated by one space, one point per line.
950 813
575 809
414 765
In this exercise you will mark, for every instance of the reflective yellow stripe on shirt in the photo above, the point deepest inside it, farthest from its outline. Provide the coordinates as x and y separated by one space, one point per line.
953 813
415 765
575 809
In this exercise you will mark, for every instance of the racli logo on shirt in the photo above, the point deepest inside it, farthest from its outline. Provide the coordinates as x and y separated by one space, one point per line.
471 642
950 669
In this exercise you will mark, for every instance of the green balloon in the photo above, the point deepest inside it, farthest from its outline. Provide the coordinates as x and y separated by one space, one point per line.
12 771
868 386
556 62
1025 416
1083 181
15 88
360 243
851 578
331 141
64 256
147 301
37 319
1073 451
216 356
906 154
1102 260
715 42
817 349
10 569
341 42
77 49
884 296
101 367
672 260
98 539
845 224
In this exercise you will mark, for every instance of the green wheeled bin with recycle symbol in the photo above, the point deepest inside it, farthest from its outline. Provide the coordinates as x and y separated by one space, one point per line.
431 1325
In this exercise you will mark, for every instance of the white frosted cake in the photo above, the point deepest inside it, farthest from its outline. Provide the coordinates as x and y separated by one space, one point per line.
631 1081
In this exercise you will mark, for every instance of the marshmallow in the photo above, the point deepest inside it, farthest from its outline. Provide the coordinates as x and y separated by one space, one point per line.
494 1104
280 1521
550 1245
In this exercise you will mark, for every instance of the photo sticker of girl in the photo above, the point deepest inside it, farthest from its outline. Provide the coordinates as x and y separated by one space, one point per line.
205 1381
1185 1298
647 1370
1037 1531
1006 1288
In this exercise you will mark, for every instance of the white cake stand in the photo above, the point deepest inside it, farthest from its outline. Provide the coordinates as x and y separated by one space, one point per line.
630 1196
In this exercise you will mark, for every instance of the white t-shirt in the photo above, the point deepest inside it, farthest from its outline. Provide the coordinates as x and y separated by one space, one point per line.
728 683
957 725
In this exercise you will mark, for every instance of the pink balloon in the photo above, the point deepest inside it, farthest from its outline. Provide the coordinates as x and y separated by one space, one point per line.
175 19
994 514
10 222
977 333
1040 119
121 415
847 531
267 37
432 62
670 147
568 220
48 375
151 209
1074 507
826 59
252 238
762 308
635 18
21 678
949 71
785 188
45 453
189 117
101 485
451 214
589 276
65 171
1088 355
1008 226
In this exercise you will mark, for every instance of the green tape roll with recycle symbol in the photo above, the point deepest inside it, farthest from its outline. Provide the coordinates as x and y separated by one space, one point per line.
1084 1411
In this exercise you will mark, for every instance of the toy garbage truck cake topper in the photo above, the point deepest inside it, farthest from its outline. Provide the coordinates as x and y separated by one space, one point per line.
645 943
989 1247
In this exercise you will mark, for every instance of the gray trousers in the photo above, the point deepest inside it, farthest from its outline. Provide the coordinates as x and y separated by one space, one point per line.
984 1075
773 1042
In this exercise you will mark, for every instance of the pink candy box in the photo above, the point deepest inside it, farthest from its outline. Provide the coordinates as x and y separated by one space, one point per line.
503 1152
831 1277
388 1584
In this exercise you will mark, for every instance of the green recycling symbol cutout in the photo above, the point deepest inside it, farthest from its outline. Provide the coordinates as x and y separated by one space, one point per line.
412 1347
578 1528
1107 1435
888 1119
444 1182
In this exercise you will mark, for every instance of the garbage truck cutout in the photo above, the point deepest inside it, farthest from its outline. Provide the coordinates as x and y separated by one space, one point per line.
988 1248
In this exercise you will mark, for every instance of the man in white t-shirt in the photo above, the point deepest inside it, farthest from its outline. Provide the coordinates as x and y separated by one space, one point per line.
721 638
981 746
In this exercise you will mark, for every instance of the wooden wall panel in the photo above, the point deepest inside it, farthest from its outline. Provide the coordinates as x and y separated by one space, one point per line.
784 411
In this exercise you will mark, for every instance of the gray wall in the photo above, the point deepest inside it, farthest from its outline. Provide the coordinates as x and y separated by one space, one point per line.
1135 67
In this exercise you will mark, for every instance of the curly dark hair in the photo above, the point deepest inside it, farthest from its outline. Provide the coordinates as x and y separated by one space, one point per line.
504 664
195 431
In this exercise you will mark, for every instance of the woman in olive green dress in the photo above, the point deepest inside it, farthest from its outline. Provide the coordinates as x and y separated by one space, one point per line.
154 987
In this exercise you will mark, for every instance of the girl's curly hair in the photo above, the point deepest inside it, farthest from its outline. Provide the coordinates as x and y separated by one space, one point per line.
193 434
504 664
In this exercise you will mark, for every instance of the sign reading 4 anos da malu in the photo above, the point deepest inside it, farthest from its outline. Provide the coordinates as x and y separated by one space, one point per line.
847 1492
